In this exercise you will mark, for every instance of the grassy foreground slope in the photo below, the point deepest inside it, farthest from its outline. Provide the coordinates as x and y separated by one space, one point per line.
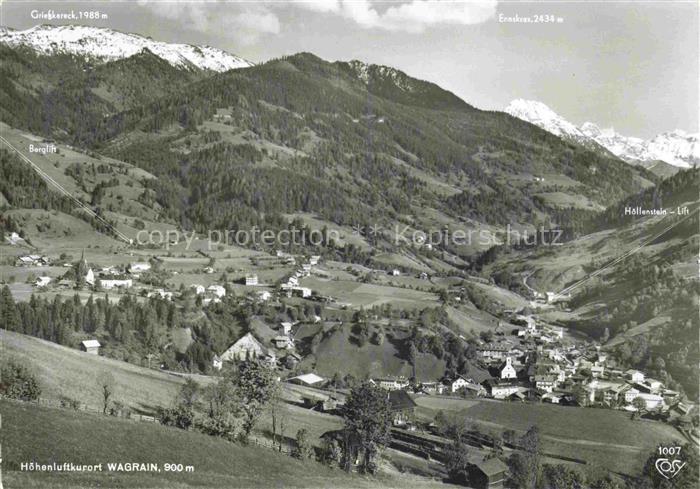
64 372
43 435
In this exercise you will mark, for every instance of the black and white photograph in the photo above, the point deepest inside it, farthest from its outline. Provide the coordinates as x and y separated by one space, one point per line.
349 244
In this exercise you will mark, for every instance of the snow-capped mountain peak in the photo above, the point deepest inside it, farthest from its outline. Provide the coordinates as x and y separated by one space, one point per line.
104 45
539 114
677 148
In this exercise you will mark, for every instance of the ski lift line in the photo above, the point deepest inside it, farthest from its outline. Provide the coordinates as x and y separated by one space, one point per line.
620 258
63 191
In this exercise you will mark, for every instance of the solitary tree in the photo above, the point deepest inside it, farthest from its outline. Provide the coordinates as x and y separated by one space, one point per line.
639 406
106 384
368 417
253 383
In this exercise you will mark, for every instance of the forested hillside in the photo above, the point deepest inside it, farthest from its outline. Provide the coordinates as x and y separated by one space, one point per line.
353 143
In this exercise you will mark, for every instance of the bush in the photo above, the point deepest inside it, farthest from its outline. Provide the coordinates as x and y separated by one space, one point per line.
180 417
17 382
303 449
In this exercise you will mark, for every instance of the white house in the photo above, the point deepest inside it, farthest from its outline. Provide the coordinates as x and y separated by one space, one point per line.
314 260
301 291
545 382
635 375
218 290
507 370
114 283
653 401
90 277
251 279
198 289
391 383
42 281
458 384
396 272
286 327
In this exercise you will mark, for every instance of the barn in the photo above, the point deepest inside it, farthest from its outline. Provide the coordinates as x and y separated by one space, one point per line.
487 474
90 346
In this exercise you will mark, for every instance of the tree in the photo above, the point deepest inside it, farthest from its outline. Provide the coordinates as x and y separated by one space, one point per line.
278 413
526 468
18 382
457 462
253 384
106 383
367 415
223 414
639 405
189 393
303 450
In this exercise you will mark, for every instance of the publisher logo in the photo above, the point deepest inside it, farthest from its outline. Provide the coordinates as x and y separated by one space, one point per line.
669 467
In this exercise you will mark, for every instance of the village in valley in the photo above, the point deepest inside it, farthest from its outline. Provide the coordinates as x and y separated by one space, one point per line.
314 271
520 359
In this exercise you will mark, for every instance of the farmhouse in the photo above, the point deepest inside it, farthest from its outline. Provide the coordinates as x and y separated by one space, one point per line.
42 281
314 260
90 346
198 289
246 348
251 279
114 283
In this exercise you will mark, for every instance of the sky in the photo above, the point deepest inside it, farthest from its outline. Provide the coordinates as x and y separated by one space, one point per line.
631 65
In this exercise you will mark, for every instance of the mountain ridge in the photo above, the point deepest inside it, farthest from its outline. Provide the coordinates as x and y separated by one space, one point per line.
677 148
104 45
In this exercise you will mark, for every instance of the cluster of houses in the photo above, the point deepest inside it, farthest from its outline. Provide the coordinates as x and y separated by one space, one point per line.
212 294
539 366
281 352
290 286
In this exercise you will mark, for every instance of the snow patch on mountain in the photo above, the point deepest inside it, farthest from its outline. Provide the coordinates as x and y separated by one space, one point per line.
104 45
677 148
